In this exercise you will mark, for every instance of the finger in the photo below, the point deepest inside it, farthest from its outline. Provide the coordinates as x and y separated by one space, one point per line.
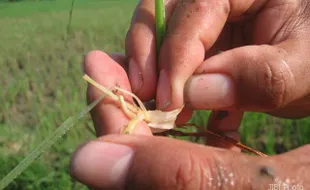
141 49
107 116
251 78
226 123
192 30
185 114
141 162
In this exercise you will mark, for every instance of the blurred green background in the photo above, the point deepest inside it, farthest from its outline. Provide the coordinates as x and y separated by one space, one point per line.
41 86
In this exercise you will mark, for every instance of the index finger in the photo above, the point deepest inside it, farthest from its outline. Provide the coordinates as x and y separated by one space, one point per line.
192 30
141 49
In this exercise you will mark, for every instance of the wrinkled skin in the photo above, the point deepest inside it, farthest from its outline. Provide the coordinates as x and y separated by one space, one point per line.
263 67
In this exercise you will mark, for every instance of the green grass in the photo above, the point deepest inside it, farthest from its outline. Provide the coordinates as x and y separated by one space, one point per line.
41 86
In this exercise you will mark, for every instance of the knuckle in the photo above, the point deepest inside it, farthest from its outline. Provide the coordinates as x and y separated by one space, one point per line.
303 9
275 86
185 173
193 173
278 81
298 14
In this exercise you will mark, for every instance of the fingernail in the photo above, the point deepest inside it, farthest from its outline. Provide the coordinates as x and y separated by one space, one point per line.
102 164
135 75
163 90
210 91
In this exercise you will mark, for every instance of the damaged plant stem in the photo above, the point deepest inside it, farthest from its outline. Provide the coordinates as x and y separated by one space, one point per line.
157 120
160 122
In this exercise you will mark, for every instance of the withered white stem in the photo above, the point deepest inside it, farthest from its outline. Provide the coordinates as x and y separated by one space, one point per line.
125 108
157 120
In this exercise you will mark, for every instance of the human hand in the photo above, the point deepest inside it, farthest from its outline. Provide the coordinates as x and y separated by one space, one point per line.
264 66
147 162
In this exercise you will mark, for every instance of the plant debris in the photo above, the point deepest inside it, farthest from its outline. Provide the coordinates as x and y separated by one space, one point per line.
157 120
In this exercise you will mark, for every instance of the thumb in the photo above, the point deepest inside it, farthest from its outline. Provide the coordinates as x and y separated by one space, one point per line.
142 162
250 78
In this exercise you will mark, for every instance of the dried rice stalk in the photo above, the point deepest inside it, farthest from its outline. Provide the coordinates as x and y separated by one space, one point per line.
157 120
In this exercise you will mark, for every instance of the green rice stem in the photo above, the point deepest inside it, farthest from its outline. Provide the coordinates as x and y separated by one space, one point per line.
160 22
